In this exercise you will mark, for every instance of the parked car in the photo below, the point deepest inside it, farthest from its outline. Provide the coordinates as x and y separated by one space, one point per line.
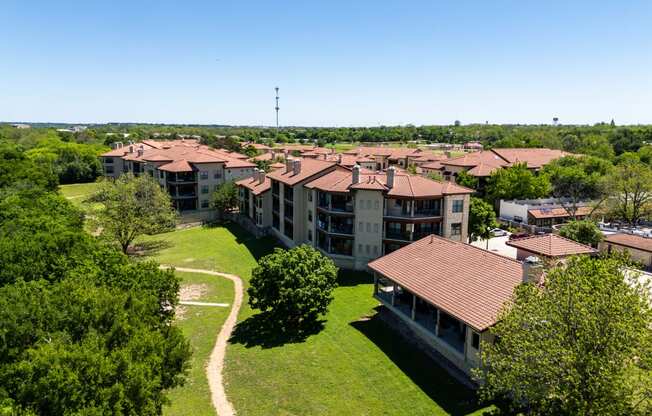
499 232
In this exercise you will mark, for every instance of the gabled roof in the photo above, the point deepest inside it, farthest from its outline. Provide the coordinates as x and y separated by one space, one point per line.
630 240
483 169
255 185
309 168
466 282
534 157
551 245
405 184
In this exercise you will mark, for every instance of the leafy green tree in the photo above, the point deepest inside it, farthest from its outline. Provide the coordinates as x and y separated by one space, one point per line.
584 231
295 286
250 151
71 162
132 206
577 179
482 219
464 179
435 176
630 192
18 172
516 182
225 198
580 345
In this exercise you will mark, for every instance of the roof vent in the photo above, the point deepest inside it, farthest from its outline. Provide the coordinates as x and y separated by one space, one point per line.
131 148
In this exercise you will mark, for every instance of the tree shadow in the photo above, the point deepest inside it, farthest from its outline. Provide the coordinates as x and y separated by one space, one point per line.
451 395
148 248
258 247
347 278
267 331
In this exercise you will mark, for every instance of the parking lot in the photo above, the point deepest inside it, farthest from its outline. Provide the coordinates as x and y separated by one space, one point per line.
497 245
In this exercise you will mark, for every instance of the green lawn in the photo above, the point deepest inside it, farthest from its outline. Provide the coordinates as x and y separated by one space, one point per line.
200 324
354 365
78 191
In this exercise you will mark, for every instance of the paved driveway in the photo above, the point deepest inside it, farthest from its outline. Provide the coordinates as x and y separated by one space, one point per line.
497 245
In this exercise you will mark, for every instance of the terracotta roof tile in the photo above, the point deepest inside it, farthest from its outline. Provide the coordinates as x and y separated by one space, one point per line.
630 241
551 245
177 166
473 290
558 212
309 168
255 185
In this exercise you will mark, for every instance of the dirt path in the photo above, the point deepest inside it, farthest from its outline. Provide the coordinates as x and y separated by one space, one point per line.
216 360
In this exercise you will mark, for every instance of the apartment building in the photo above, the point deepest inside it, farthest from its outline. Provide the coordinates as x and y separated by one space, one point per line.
188 170
355 215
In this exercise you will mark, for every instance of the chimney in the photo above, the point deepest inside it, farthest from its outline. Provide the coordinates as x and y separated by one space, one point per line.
390 176
114 145
339 158
532 270
288 165
131 148
261 176
356 174
141 150
296 167
119 144
256 176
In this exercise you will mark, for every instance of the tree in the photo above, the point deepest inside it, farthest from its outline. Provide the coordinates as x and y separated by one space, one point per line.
225 198
580 345
250 151
584 231
464 179
435 176
577 179
630 192
295 286
516 182
482 219
132 206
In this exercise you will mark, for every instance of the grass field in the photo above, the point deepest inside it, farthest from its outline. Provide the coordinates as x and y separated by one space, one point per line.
354 365
200 324
77 192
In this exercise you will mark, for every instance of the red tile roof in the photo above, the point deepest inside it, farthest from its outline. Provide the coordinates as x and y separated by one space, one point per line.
560 212
483 170
255 185
535 158
309 168
551 245
190 151
466 282
630 241
177 166
405 184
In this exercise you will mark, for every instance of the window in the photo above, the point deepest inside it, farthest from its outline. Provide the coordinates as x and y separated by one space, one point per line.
375 250
309 196
376 204
203 175
310 215
360 248
216 187
108 169
456 229
309 235
458 205
108 160
217 174
475 340
368 249
204 189
204 203
361 226
161 174
368 227
376 228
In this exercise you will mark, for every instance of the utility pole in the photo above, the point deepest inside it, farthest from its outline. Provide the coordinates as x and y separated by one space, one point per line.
277 107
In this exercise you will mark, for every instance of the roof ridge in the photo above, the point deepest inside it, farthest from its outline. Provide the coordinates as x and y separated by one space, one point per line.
472 247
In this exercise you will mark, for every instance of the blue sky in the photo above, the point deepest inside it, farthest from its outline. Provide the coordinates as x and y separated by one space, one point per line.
337 63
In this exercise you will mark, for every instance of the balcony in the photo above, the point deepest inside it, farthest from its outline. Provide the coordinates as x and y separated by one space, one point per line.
413 209
335 203
182 177
398 235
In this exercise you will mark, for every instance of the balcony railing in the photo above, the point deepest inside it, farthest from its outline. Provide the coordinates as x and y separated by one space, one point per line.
398 235
341 228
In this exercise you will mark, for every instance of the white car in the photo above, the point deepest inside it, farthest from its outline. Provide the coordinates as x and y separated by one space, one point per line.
499 232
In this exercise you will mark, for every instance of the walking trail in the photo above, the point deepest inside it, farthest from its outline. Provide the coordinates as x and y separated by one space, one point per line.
216 360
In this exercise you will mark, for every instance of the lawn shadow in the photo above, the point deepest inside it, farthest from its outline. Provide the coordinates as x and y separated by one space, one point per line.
268 332
451 395
258 247
148 248
347 278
